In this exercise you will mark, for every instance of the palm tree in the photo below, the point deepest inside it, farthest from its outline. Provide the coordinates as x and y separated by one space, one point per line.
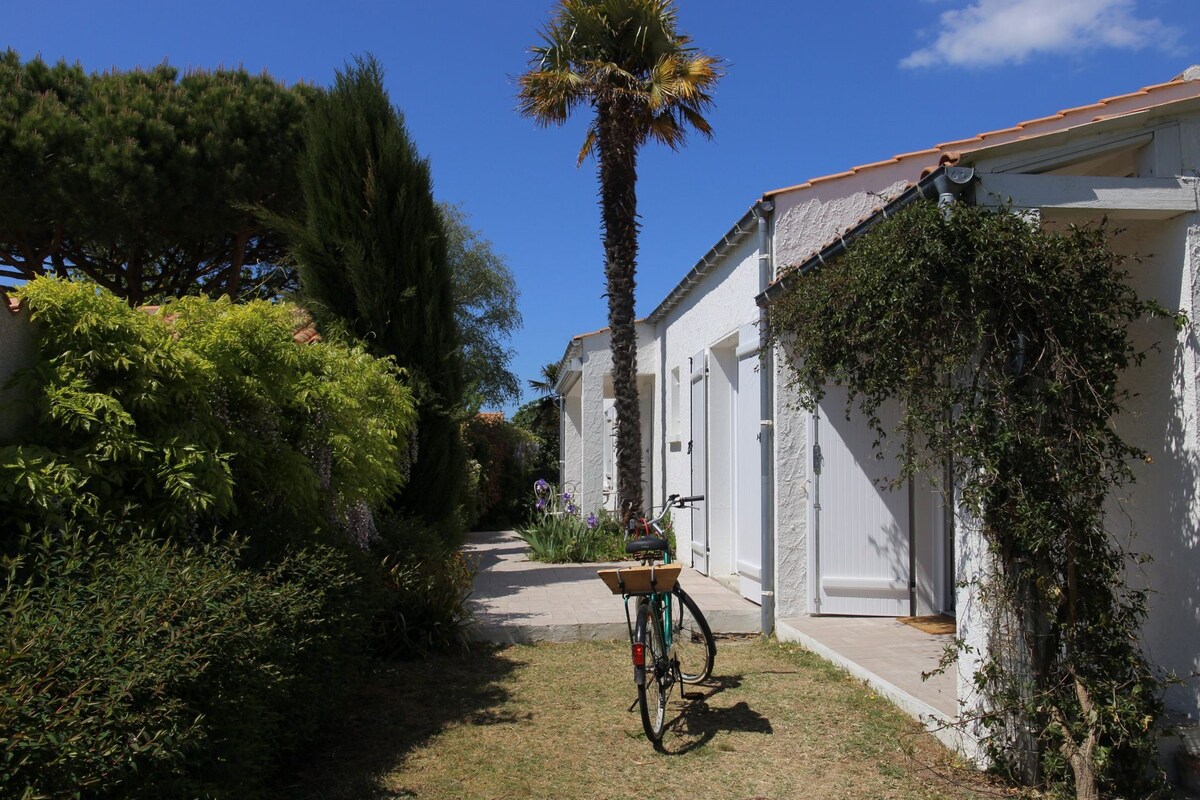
545 385
627 60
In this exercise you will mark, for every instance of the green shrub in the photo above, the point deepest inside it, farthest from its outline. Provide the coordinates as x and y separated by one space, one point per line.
504 452
206 414
153 670
232 572
421 602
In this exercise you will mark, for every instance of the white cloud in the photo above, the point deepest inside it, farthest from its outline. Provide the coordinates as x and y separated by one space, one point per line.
990 32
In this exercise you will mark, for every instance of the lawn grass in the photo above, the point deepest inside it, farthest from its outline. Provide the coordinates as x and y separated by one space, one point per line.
550 721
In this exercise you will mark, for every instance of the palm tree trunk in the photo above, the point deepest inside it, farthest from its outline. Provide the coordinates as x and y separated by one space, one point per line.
617 146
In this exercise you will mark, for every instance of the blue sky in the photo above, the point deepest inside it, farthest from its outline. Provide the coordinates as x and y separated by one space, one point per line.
810 89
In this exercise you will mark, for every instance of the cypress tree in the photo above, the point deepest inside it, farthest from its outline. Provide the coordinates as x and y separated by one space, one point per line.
371 252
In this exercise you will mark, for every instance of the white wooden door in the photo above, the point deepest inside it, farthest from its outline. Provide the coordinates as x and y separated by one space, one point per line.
698 448
864 541
748 469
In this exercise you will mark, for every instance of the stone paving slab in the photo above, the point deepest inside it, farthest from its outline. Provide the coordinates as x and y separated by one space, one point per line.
518 600
887 654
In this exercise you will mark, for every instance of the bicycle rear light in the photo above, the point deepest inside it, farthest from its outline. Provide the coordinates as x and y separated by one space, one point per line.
639 654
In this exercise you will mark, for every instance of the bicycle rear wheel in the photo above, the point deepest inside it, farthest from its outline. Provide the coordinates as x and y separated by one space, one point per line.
652 692
692 642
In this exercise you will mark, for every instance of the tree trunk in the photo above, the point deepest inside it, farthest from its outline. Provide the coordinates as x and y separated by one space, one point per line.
617 145
237 260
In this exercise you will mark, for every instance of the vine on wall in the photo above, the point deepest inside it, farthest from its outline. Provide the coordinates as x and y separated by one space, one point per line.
1004 345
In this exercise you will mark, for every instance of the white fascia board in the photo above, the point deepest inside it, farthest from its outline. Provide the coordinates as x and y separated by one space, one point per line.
1134 198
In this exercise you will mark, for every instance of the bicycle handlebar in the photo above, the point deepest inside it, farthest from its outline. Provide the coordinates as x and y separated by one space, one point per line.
673 500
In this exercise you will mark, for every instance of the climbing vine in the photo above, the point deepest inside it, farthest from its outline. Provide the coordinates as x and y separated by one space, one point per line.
1003 345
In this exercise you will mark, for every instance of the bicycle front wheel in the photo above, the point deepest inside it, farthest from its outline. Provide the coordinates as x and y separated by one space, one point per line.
692 643
652 693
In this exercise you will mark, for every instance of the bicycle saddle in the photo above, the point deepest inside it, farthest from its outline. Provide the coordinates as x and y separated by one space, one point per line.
645 543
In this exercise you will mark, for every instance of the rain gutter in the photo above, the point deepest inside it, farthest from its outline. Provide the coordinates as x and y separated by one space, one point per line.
710 261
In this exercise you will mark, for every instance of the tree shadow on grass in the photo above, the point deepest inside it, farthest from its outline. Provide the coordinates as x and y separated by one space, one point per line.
399 706
698 722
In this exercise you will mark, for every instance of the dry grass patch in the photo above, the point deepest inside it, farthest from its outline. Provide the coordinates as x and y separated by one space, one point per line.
551 721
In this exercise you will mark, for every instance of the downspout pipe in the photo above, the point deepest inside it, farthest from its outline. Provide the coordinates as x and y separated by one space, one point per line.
766 274
662 415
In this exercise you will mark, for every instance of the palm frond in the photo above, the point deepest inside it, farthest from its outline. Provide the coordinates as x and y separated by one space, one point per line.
665 128
549 96
589 144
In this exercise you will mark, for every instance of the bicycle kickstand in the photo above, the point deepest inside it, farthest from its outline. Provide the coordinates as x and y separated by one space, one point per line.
633 705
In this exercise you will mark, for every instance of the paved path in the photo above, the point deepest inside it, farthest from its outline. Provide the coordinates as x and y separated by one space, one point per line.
518 600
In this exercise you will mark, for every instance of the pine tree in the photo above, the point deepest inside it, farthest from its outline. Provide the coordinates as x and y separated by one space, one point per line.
143 180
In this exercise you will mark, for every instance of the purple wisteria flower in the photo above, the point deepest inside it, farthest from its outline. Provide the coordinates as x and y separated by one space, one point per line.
593 521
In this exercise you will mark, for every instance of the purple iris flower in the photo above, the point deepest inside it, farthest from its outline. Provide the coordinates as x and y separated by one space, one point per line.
540 485
566 497
593 521
571 509
540 504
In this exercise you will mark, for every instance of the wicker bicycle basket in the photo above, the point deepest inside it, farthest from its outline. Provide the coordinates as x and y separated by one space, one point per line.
640 579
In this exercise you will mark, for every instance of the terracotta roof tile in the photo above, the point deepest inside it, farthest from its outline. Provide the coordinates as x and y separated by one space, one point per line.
306 335
961 142
1014 132
1079 109
602 330
885 162
305 331
491 416
1022 131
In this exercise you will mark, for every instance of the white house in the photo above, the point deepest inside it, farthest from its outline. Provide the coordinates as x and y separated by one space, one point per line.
801 487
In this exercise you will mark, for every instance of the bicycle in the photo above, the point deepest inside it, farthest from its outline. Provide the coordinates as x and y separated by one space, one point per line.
671 641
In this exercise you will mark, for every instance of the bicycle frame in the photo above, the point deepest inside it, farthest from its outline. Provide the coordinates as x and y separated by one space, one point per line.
662 600
651 527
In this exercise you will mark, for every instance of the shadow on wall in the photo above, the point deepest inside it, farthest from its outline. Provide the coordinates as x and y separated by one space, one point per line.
860 497
1157 514
1160 513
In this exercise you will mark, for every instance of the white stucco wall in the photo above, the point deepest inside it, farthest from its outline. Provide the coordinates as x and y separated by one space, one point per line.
585 428
808 219
711 315
571 436
17 351
597 362
792 487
